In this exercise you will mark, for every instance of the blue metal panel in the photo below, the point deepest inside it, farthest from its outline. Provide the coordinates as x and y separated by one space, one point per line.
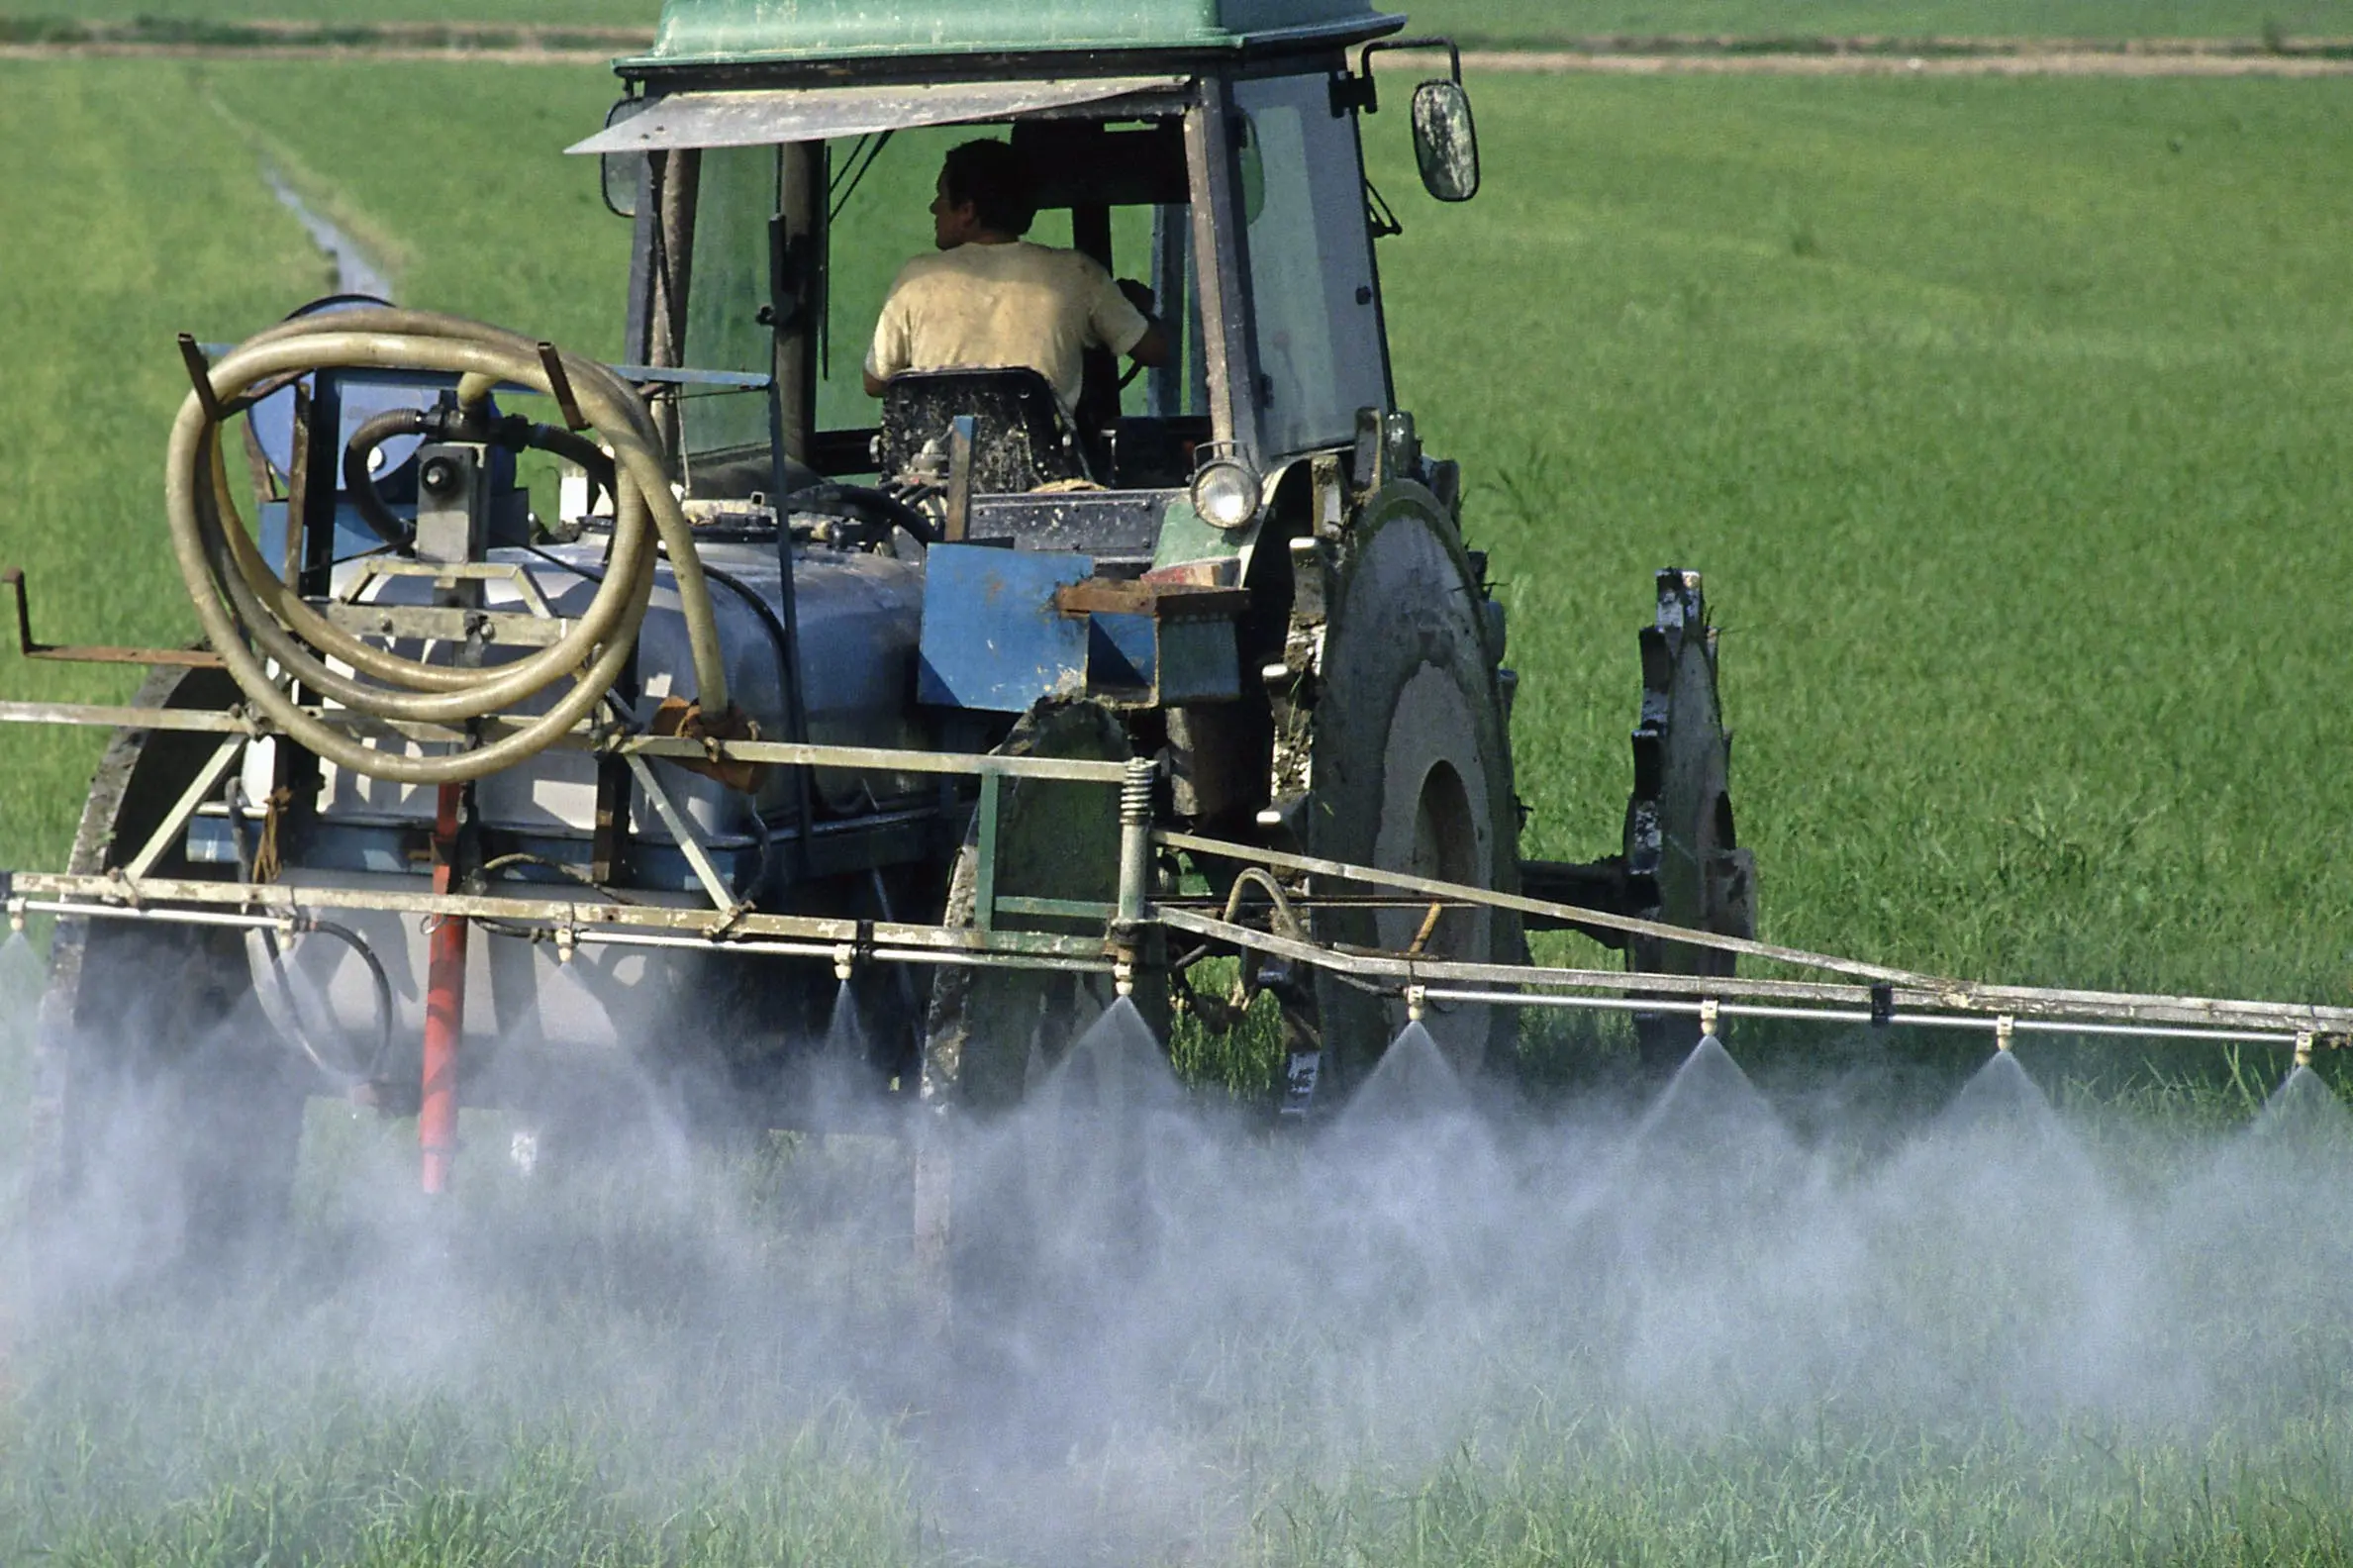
1121 654
1200 662
992 636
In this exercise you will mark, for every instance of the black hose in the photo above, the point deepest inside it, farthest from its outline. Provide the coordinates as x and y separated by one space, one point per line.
361 480
234 798
577 450
513 432
375 973
858 504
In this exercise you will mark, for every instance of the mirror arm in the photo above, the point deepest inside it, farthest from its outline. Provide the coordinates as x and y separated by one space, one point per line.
1360 92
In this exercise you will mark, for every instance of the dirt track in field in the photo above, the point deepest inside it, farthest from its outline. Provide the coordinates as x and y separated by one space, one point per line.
525 45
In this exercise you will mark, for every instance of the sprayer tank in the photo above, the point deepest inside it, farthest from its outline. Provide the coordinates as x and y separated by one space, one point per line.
859 621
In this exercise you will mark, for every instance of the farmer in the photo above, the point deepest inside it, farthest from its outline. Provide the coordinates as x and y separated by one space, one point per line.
991 300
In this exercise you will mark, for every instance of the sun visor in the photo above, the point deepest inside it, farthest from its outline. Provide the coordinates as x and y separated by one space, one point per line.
818 114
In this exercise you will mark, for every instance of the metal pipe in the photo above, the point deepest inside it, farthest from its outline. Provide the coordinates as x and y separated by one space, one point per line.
700 922
875 759
1952 1020
1361 966
905 955
445 1006
1249 855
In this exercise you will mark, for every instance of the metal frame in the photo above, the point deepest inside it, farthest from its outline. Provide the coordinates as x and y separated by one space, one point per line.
1893 996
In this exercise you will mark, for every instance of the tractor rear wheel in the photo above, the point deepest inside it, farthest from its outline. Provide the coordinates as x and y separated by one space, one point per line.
167 1114
1410 771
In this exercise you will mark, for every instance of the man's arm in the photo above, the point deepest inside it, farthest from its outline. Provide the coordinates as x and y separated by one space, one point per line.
1126 313
1152 348
876 385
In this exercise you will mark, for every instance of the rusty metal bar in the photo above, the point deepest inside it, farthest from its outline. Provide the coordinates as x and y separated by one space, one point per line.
200 378
559 387
13 578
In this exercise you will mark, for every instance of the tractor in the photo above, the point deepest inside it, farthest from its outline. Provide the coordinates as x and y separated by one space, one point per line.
964 716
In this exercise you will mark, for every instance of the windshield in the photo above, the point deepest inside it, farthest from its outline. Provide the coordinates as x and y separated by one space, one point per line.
1114 191
882 190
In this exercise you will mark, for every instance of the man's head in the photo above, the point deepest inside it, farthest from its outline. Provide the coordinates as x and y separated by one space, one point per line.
986 193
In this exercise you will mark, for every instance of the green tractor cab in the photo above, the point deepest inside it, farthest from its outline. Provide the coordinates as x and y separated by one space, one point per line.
1244 550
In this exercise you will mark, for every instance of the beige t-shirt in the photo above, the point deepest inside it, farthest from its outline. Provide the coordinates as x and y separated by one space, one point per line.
992 307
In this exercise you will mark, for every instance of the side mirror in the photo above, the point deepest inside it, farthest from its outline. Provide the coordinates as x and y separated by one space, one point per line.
1445 142
624 172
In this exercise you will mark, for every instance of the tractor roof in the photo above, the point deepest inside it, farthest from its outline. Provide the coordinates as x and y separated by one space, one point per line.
721 33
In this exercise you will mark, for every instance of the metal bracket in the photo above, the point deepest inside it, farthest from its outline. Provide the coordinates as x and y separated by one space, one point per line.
175 820
1359 92
13 578
559 387
963 430
200 378
690 843
984 879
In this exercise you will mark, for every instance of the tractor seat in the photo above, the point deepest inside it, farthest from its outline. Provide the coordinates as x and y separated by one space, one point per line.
1022 439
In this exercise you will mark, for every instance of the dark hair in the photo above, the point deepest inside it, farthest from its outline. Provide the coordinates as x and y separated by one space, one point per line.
995 178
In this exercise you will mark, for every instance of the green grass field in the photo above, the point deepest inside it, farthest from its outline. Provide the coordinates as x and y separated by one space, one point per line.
2005 416
1493 22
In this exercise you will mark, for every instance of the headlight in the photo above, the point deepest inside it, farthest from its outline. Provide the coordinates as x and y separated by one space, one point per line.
1225 493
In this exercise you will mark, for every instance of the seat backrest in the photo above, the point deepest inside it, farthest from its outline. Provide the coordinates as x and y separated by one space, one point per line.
1021 438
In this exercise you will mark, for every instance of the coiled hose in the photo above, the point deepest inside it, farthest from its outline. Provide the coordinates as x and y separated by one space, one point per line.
250 616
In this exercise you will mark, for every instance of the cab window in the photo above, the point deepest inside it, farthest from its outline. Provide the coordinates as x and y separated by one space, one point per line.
1310 264
1105 188
725 293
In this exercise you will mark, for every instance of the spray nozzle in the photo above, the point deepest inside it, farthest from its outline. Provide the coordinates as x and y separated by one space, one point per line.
2303 1048
1123 976
1710 1017
16 917
2005 1029
567 943
1417 1003
844 956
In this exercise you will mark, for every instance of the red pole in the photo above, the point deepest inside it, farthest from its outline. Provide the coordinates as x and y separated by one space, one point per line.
444 1008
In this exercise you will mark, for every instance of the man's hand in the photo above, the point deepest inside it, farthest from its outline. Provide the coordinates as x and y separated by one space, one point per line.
1152 349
